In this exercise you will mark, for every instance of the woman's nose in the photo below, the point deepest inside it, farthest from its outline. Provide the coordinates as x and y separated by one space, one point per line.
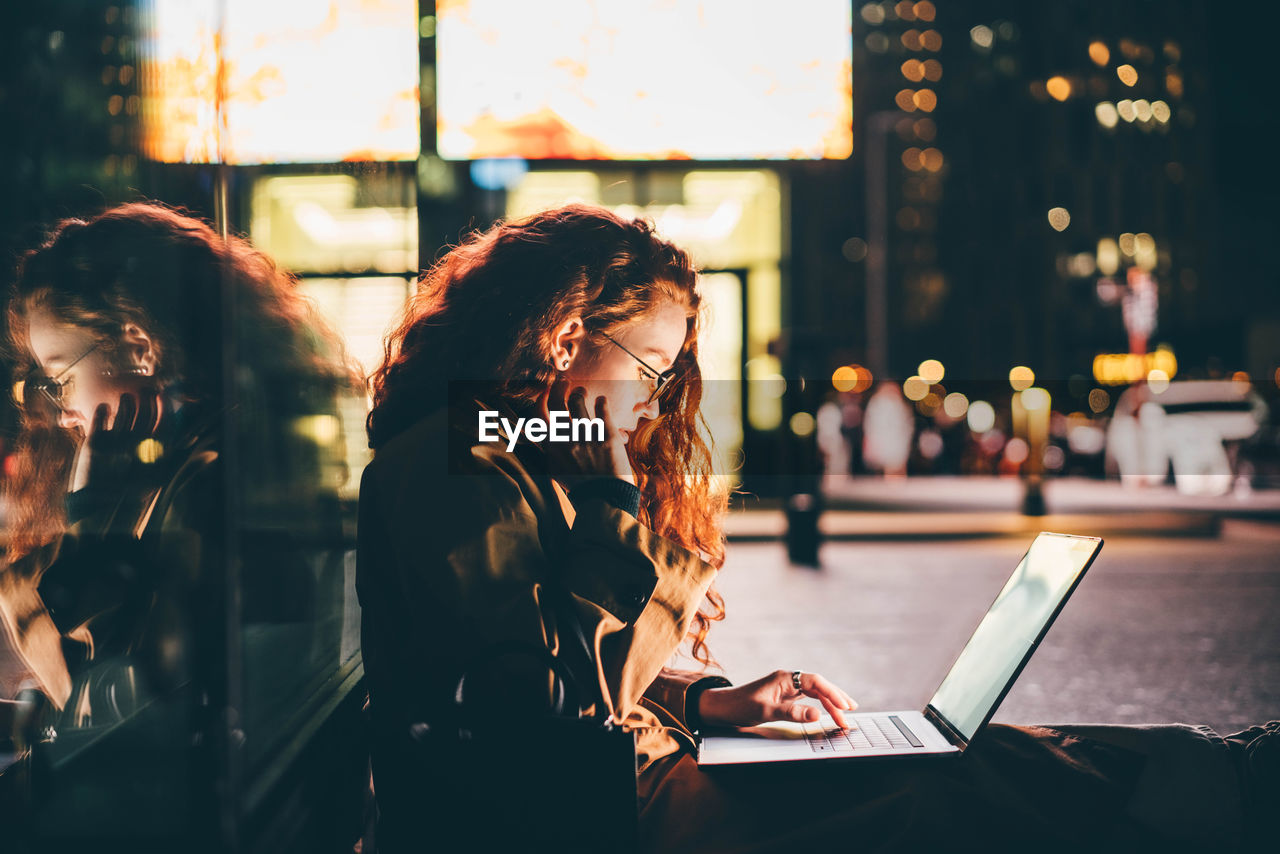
648 409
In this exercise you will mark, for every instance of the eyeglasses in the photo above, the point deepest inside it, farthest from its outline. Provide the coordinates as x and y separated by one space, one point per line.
656 379
55 388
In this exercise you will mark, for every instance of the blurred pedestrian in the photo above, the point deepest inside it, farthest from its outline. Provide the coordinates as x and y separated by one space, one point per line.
888 429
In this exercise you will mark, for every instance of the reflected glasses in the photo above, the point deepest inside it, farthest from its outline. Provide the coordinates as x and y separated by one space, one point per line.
55 388
657 379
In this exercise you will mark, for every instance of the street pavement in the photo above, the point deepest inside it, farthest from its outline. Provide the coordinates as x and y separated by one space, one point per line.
1161 630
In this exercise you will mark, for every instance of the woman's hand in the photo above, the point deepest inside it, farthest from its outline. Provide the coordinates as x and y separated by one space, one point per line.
773 698
580 460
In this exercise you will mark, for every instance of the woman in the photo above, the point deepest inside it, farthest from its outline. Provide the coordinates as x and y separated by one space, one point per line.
463 543
114 590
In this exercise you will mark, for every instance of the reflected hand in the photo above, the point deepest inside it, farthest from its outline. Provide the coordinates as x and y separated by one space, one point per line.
110 453
583 460
774 698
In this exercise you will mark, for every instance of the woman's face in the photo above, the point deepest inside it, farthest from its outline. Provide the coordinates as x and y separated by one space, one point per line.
67 354
605 368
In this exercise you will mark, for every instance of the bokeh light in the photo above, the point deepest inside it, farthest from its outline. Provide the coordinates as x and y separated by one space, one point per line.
1157 381
1099 53
844 378
854 249
915 388
925 11
1058 87
1021 378
1059 219
982 416
930 443
1017 451
957 405
1106 113
149 451
926 100
1035 399
1108 256
982 36
321 429
1128 75
1144 251
1099 400
931 371
873 14
802 424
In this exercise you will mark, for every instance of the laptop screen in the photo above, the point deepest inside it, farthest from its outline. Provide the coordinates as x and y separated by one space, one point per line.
1012 626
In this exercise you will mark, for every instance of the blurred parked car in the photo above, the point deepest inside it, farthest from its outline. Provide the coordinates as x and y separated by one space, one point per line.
1186 428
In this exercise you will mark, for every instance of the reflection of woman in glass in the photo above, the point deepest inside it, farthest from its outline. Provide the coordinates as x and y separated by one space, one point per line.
116 505
461 542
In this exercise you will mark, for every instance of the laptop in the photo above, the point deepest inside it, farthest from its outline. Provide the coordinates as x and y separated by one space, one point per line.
969 694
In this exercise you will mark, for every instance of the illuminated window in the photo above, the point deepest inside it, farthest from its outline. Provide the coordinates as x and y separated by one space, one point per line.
594 84
285 99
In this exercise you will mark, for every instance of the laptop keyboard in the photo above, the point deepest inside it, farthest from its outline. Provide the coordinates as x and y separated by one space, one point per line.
872 732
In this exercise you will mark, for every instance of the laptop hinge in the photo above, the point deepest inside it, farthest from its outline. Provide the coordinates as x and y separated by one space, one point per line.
944 726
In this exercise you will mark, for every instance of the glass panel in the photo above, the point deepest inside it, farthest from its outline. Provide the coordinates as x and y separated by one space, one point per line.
362 311
300 615
179 631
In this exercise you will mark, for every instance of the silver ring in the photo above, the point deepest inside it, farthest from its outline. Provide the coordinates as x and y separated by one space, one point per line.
795 679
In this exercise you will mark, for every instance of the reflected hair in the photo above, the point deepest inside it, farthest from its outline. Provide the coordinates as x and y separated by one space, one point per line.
172 275
488 310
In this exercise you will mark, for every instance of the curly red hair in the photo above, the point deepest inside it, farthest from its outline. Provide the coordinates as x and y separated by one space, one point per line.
489 309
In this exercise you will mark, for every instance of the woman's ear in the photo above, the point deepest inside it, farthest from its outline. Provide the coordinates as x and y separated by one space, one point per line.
567 342
139 350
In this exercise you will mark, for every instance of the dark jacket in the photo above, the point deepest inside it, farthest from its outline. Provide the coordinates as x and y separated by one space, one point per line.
456 542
